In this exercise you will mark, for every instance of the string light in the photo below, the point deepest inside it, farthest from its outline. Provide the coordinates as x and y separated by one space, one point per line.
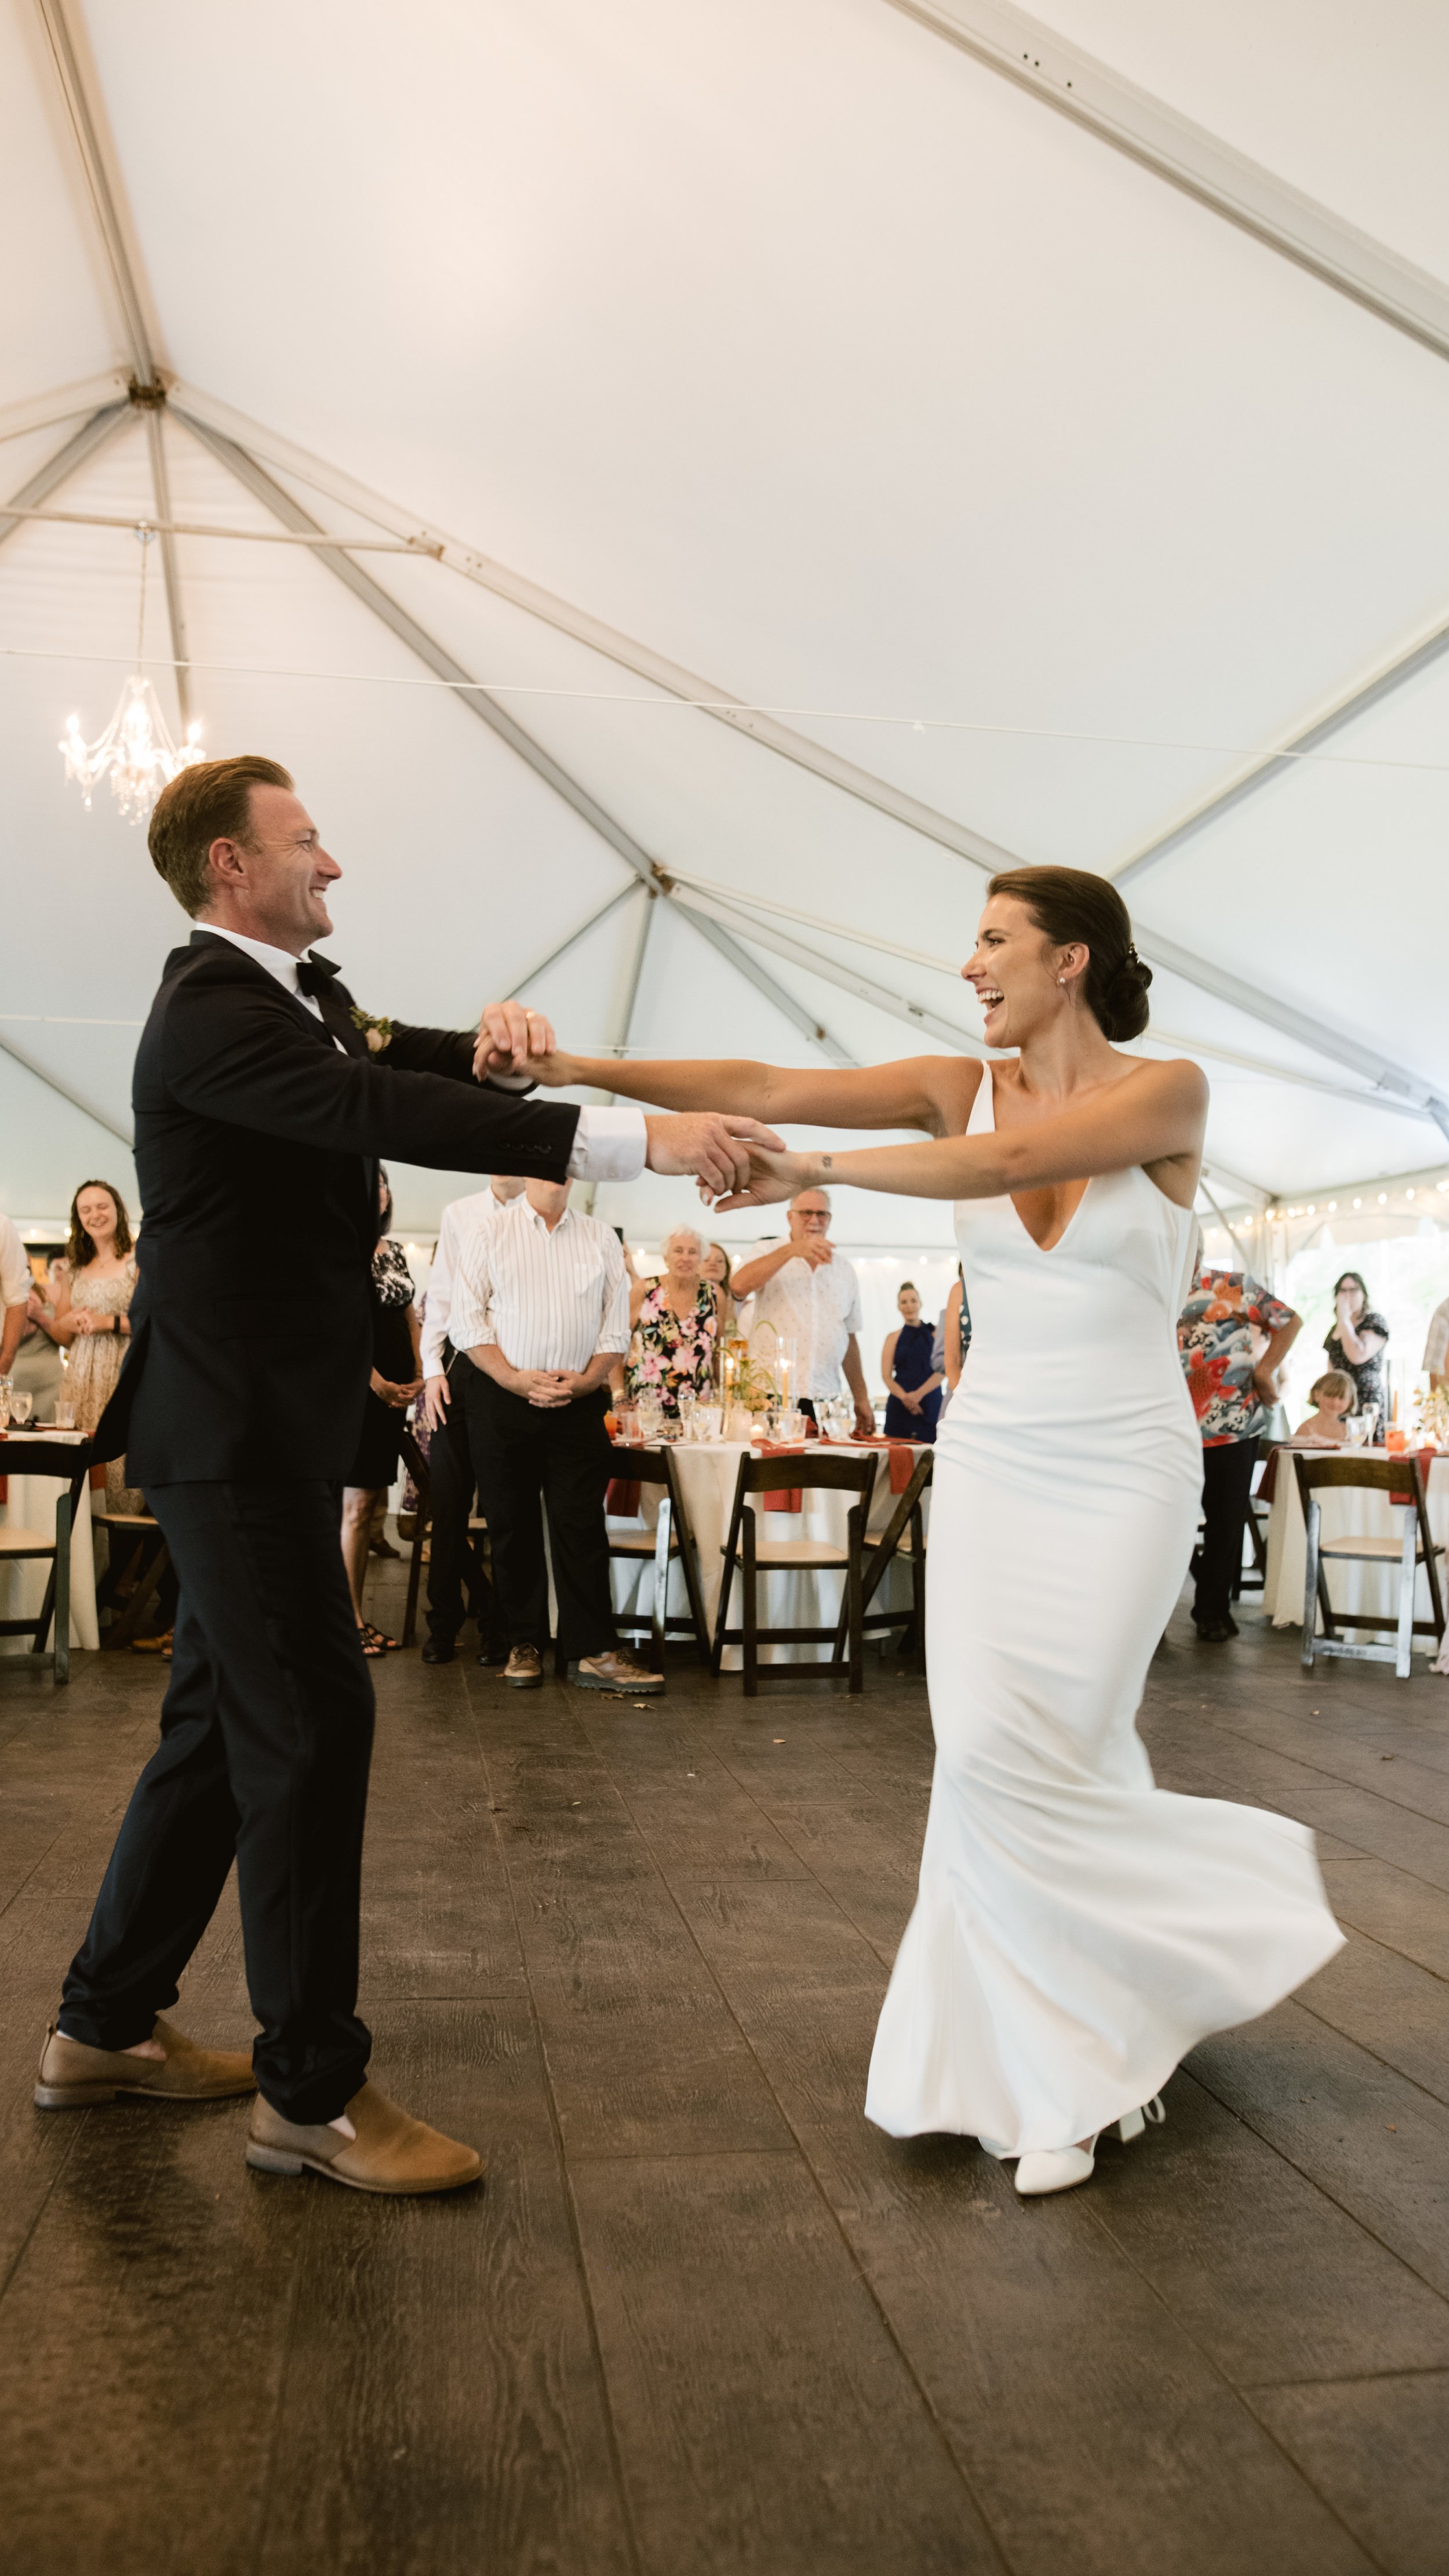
136 751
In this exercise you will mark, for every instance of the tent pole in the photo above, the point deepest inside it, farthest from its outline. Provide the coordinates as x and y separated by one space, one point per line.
87 117
1033 57
573 939
62 1091
772 735
764 982
174 610
66 461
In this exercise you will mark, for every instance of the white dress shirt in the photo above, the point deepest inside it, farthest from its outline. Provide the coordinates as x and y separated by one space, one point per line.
816 1309
549 1300
16 1280
461 1220
609 1144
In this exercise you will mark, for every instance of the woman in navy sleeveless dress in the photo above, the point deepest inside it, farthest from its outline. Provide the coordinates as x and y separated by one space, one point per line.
906 1363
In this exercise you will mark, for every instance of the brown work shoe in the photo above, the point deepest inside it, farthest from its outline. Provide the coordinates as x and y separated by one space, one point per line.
616 1672
73 2076
390 2152
524 1669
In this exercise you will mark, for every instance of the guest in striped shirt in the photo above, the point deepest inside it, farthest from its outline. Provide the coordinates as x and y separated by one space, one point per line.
541 1306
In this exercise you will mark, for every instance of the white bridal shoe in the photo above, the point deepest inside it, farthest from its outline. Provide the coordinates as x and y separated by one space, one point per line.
1048 2169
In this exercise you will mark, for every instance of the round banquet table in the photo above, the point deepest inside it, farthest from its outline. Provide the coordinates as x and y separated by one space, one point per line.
804 1597
1347 1512
30 1504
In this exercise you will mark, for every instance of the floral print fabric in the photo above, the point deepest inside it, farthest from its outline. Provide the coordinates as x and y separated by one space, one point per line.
1215 1341
670 1352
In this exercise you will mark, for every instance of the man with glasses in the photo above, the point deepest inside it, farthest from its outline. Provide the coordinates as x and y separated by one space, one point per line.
809 1293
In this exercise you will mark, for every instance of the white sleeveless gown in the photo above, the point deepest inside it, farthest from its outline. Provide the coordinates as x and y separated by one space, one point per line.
1077 1930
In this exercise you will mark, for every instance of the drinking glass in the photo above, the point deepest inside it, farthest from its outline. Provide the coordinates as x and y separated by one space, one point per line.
4 1407
65 1413
687 1403
708 1422
19 1405
650 1414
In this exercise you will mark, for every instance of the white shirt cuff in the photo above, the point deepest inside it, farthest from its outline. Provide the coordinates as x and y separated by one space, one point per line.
610 1145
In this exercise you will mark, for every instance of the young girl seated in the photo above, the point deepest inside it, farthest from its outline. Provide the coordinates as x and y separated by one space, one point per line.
1333 1397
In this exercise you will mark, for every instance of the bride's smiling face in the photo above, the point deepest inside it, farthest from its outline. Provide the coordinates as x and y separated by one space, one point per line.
1022 981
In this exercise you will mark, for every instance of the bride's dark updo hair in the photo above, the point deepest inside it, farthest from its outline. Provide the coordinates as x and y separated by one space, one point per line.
1073 907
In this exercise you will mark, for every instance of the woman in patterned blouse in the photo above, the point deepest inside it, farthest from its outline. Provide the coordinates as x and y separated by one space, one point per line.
676 1326
1356 1343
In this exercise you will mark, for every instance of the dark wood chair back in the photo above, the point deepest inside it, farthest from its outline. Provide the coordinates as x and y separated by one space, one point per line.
809 1473
25 1453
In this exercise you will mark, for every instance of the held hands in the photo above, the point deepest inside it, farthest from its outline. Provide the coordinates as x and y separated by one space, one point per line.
511 1040
719 1152
771 1174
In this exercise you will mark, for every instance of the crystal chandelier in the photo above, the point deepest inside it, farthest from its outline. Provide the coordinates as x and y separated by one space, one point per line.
136 748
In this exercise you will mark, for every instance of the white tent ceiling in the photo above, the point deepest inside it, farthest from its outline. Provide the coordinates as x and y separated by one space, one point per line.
1019 433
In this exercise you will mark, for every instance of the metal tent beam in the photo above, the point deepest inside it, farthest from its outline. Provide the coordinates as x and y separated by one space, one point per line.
63 1091
754 973
259 482
1076 85
1325 1041
202 413
67 402
87 126
1279 759
574 937
266 490
723 706
711 917
66 461
175 613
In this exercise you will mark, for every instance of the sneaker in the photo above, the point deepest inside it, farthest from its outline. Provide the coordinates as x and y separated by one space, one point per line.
524 1669
616 1672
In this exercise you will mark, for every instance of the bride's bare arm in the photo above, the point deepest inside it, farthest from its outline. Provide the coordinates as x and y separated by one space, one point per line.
1155 1115
930 1091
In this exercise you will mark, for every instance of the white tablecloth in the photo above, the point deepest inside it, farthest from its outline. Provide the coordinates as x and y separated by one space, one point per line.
809 1598
31 1505
1347 1512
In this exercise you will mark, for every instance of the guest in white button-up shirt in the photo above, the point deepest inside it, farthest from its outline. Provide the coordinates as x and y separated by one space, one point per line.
541 1305
809 1293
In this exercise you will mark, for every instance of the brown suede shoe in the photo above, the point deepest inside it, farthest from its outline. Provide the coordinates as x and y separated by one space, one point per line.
73 2076
390 2152
617 1672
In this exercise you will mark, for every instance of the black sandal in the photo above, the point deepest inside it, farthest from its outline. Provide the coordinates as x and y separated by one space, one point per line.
374 1643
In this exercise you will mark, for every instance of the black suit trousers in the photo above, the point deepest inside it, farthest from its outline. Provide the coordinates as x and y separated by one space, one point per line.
266 1736
456 1583
1227 1479
528 1456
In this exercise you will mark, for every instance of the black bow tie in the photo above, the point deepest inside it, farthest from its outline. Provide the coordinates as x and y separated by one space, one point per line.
315 974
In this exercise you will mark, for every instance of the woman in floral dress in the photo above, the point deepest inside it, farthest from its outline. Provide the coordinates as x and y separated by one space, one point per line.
92 1316
676 1326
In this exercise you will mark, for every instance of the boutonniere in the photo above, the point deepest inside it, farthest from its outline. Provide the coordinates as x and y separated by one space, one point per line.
377 1032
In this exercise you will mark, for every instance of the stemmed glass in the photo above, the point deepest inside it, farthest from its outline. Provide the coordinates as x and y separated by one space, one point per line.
19 1405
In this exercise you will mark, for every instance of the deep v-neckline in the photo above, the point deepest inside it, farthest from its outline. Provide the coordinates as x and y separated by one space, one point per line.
1045 1249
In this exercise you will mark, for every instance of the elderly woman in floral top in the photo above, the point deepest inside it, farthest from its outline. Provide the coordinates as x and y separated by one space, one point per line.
675 1323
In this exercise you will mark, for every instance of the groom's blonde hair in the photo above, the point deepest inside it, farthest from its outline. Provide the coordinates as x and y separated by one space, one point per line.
209 801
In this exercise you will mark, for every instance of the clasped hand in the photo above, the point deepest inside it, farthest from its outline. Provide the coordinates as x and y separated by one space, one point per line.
698 1144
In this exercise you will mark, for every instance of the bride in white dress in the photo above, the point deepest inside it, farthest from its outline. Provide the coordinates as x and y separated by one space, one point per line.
1077 1930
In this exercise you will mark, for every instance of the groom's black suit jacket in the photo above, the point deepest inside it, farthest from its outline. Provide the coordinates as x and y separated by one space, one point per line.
257 1147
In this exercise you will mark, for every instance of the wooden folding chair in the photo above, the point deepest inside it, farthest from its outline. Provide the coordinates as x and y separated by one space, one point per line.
1402 1481
71 1461
904 1535
755 1556
671 1541
145 1566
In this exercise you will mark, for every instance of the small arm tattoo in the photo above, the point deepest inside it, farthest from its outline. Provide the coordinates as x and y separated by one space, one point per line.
827 1162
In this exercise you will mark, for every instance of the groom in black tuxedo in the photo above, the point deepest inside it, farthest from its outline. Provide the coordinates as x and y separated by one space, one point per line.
263 1102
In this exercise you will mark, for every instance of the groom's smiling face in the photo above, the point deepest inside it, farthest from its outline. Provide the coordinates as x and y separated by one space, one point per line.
273 885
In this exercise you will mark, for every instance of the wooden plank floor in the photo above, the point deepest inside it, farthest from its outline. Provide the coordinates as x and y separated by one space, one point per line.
703 2319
